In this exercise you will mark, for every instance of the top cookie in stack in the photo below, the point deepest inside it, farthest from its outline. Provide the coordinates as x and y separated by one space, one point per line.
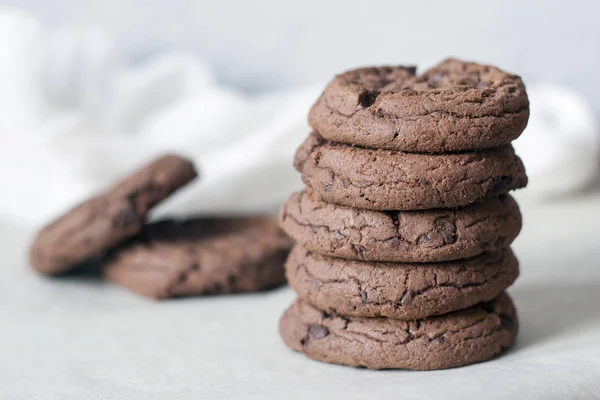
407 179
454 106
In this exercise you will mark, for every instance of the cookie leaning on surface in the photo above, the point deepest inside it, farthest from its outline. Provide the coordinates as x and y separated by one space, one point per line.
475 334
453 106
105 220
402 236
201 256
407 291
394 180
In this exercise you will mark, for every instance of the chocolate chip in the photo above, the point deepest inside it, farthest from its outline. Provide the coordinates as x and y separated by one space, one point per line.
501 184
359 250
363 297
437 340
127 218
367 98
407 298
232 279
328 187
447 229
318 331
424 238
506 321
393 242
434 80
449 237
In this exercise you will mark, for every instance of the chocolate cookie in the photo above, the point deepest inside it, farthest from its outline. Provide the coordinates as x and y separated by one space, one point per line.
201 256
105 220
453 106
401 236
451 340
393 180
406 291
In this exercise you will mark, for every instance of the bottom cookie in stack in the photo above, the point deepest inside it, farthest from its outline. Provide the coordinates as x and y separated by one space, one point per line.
451 340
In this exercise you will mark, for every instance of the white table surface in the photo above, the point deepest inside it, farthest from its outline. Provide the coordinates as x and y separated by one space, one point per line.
80 338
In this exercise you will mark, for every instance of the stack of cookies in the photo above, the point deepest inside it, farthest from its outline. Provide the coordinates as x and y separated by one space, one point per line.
404 227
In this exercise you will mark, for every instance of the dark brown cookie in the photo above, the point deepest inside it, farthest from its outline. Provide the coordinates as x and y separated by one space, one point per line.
393 180
407 291
101 222
403 236
451 107
201 256
464 337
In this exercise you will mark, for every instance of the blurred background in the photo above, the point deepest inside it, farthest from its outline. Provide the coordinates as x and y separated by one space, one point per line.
91 89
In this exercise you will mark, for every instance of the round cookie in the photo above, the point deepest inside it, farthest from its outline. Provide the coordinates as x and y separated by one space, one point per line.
201 256
407 291
393 180
464 337
105 220
453 106
400 236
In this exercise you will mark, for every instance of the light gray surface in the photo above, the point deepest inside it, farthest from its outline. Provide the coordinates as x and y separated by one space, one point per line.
270 43
78 338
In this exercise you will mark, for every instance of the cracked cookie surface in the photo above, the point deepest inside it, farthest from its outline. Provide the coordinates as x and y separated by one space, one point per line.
201 256
401 236
105 220
464 337
407 291
394 180
453 106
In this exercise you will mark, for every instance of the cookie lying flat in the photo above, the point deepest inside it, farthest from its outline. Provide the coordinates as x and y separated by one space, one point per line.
451 107
105 220
402 236
451 340
393 180
201 256
407 291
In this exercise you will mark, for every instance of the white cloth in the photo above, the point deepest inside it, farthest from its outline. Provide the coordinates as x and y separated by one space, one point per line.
561 145
76 115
